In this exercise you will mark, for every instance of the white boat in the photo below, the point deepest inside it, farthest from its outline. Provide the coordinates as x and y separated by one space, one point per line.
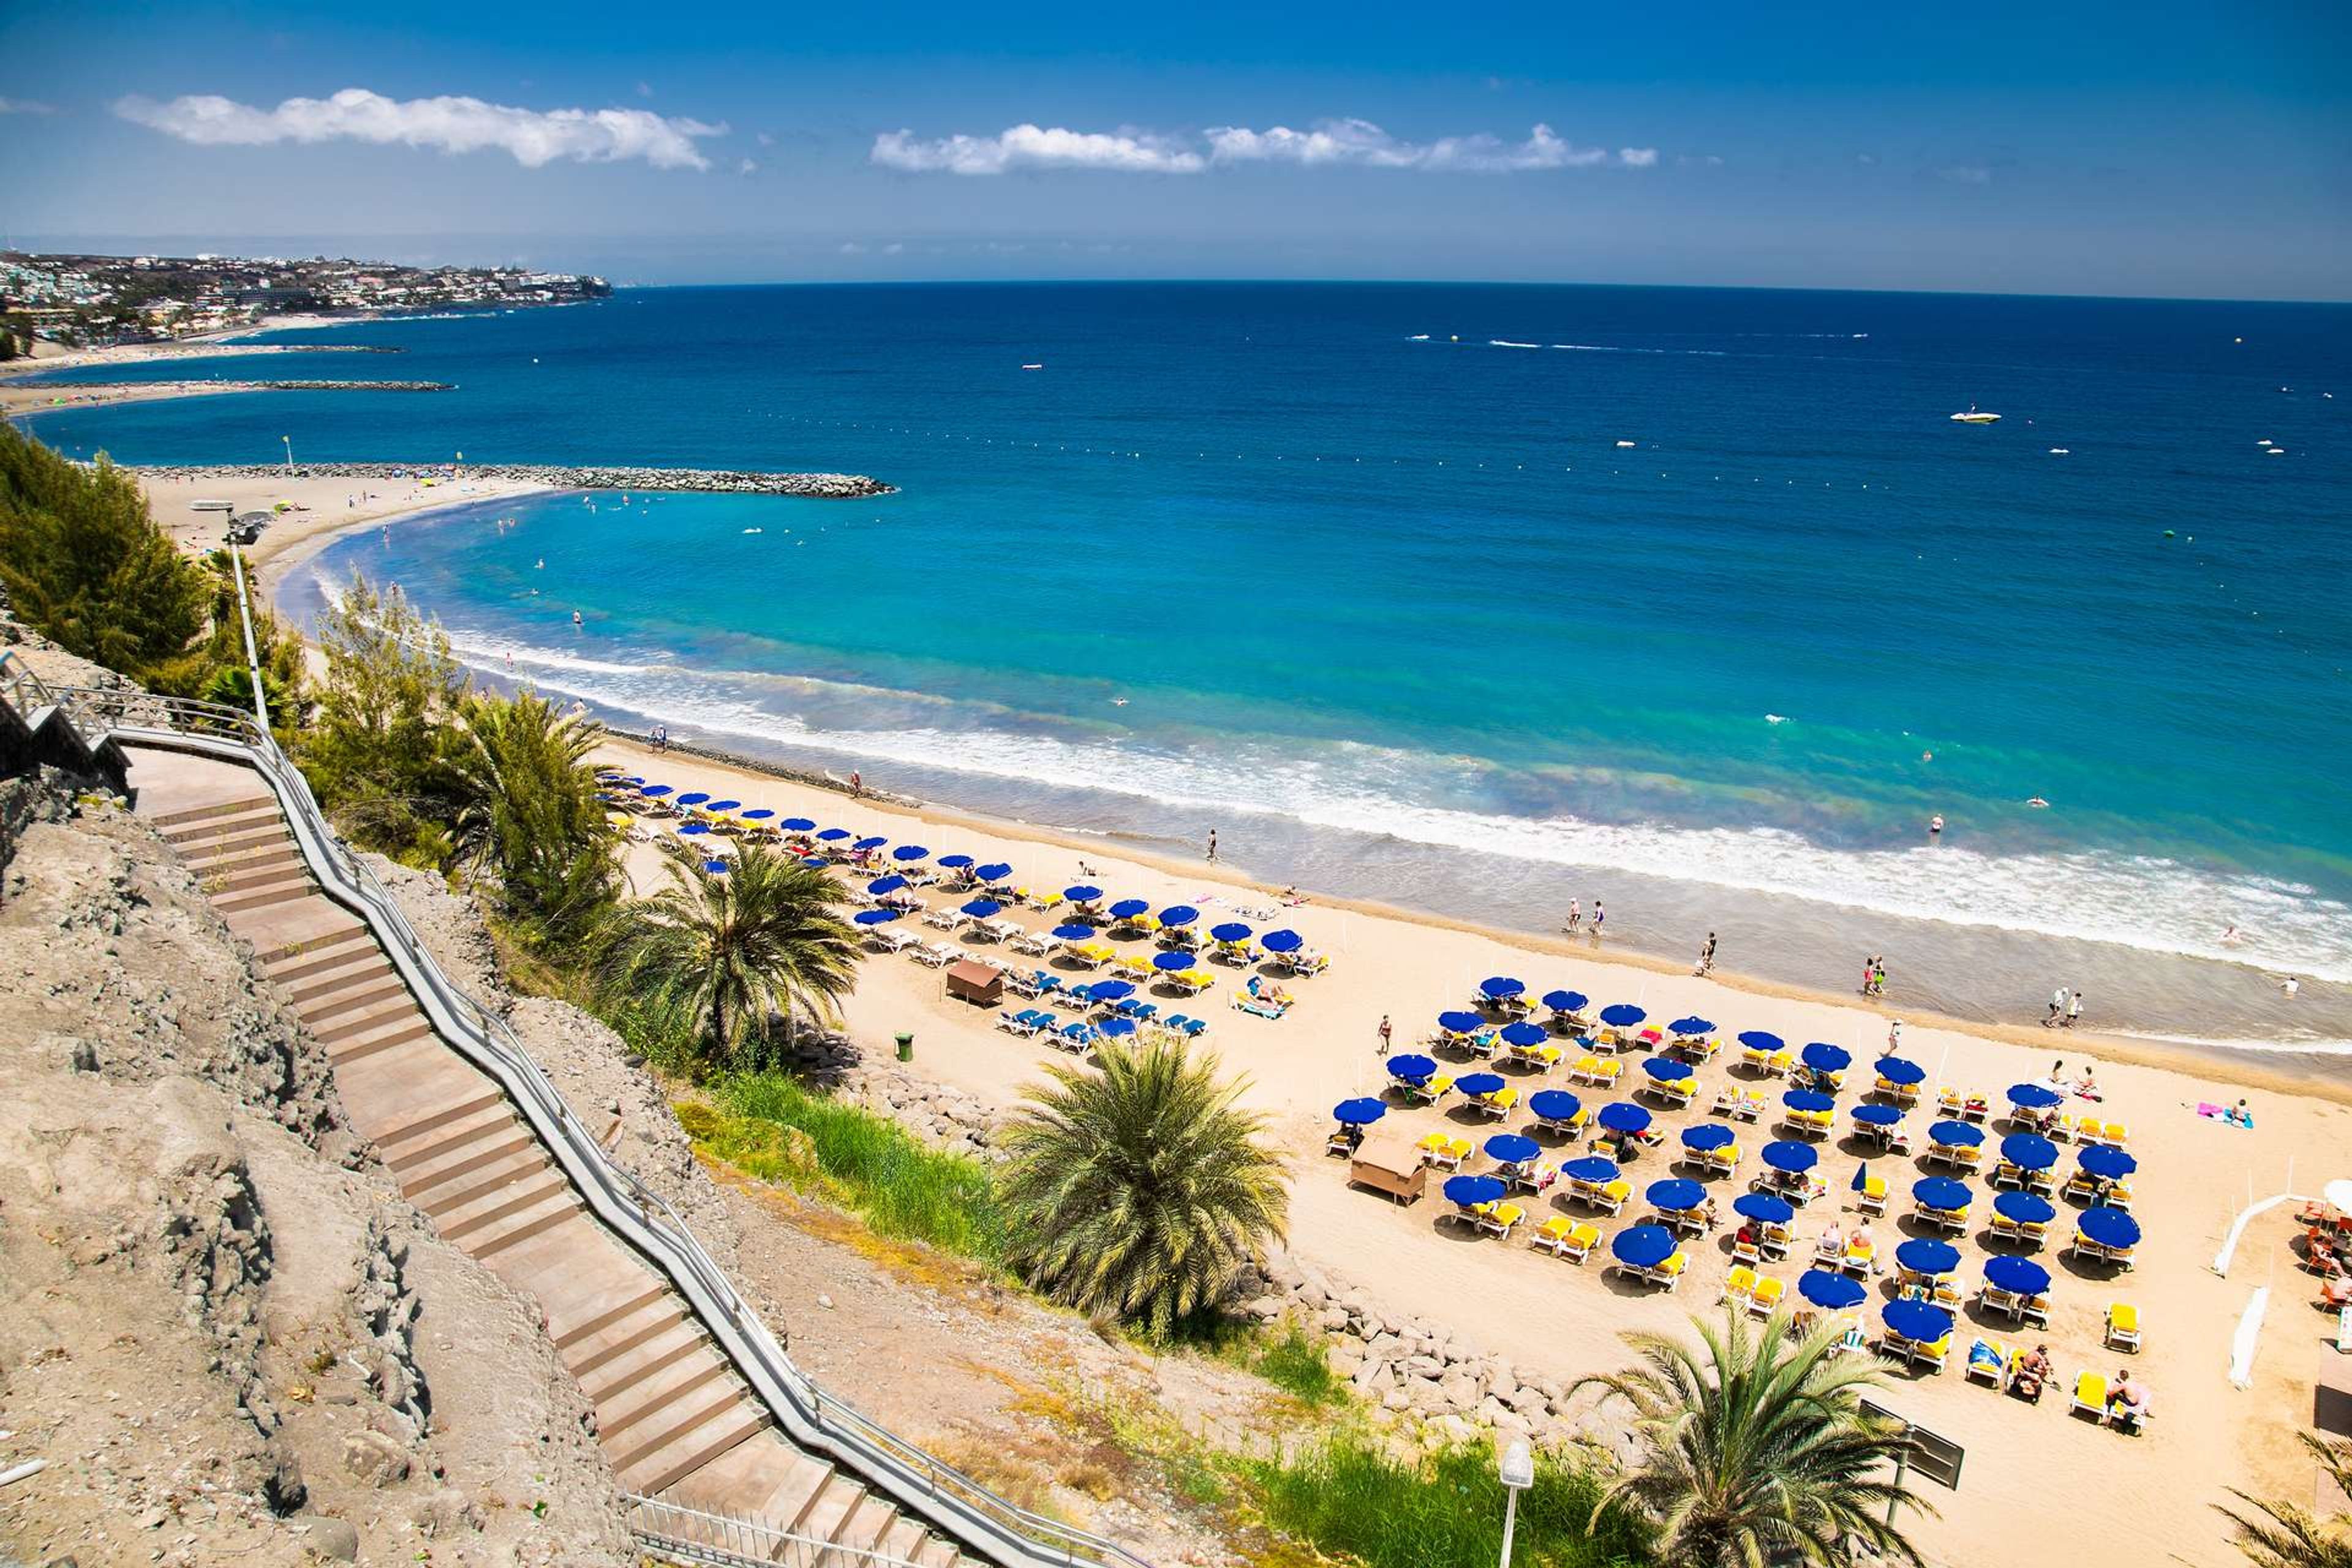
1975 417
1032 367
2060 452
1624 443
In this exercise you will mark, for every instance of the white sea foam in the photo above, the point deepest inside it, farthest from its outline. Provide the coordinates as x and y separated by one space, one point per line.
2153 904
1506 344
2285 1044
1623 349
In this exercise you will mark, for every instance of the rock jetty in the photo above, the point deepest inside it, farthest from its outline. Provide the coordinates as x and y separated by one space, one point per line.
261 385
724 482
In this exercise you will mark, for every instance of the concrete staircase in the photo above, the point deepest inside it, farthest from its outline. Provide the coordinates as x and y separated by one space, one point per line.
675 1419
35 728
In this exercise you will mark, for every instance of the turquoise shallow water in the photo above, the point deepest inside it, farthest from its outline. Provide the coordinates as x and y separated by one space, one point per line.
1399 614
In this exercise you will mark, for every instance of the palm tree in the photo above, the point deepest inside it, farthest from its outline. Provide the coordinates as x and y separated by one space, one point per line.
2290 1536
527 808
1756 1450
1139 1190
725 951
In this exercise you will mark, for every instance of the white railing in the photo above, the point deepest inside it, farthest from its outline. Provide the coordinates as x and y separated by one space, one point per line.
949 1501
695 1535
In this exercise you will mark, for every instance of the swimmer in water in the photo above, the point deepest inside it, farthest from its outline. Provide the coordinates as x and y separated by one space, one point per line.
575 617
1935 827
2230 934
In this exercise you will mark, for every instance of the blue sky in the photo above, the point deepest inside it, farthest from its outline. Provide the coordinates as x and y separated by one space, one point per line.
2081 148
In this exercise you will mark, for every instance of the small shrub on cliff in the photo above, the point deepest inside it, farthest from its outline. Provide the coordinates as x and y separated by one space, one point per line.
380 747
528 812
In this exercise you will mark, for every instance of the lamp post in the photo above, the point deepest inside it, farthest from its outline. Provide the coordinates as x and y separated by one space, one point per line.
1518 1470
290 455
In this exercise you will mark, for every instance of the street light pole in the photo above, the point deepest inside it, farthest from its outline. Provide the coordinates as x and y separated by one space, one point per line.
290 455
252 657
1519 1470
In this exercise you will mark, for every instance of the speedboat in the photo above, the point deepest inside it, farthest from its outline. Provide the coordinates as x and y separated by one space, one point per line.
1974 417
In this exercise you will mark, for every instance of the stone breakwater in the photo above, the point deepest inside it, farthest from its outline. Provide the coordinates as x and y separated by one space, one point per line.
258 385
722 481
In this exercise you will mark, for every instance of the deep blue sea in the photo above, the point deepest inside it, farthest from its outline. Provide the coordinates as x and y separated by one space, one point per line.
1474 598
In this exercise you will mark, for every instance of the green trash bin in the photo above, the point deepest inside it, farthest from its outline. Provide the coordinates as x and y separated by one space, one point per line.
906 1046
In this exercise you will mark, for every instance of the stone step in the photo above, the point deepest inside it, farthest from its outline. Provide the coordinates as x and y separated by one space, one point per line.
357 963
363 990
291 961
860 1534
519 1226
496 1143
218 809
412 1029
675 1346
907 1537
344 1024
659 1330
226 833
227 881
829 1510
401 1141
795 1492
455 1192
632 1404
284 892
536 1185
209 851
662 1460
589 1318
940 1553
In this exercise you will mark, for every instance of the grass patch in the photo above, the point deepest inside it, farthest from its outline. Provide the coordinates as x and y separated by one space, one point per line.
769 1126
1294 1363
1348 1495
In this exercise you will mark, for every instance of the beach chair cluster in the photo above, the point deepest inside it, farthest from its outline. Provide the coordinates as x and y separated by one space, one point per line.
1906 1350
1756 1294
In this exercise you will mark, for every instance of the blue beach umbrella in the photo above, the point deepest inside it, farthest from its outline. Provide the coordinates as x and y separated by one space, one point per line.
656 791
1117 1028
1127 908
716 867
1825 1058
1555 1104
1643 1245
2021 1275
874 917
1921 1320
1675 1194
1282 942
983 908
1763 1040
1073 931
833 835
1358 1113
1926 1255
1861 1181
1179 915
1708 1135
2029 1150
1941 1192
2105 1162
1623 1116
1460 1023
1693 1025
869 843
2025 1208
795 823
1171 962
1764 1209
2110 1227
1955 1134
1083 893
1512 1148
1413 1068
955 862
1470 1191
1807 1100
1232 931
1795 1159
1878 1115
1479 1083
1830 1292
1110 990
1525 1035
1622 1015
695 797
722 806
910 852
758 813
1499 987
881 885
1566 1001
1900 1070
1666 1069
813 862
2034 1096
994 872
1595 1170
695 830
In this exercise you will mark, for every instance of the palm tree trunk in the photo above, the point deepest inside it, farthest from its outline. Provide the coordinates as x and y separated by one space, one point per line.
718 1027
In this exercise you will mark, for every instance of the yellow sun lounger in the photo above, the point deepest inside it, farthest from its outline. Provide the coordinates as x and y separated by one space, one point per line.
2122 1326
1498 1218
1767 1295
2090 1395
1565 1238
1443 1149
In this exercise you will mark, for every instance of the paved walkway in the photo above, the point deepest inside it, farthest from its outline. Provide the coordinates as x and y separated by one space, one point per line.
674 1418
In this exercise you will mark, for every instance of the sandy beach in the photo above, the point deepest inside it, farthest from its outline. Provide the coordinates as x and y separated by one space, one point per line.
2124 1499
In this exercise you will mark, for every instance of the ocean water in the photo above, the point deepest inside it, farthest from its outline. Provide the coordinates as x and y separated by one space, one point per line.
1473 599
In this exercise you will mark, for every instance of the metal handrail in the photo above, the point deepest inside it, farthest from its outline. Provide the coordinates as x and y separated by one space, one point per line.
951 1501
697 1535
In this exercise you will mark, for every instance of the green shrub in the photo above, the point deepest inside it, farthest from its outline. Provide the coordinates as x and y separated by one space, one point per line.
1295 1363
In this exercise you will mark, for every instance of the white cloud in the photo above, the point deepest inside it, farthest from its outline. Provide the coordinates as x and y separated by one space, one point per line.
1036 147
896 248
748 166
851 247
1327 143
533 137
763 139
24 106
645 90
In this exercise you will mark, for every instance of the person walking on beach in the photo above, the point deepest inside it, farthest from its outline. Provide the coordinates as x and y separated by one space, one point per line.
1869 972
1212 846
1383 1047
2057 1008
857 784
1894 1038
2074 1009
1707 956
1575 915
1599 915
